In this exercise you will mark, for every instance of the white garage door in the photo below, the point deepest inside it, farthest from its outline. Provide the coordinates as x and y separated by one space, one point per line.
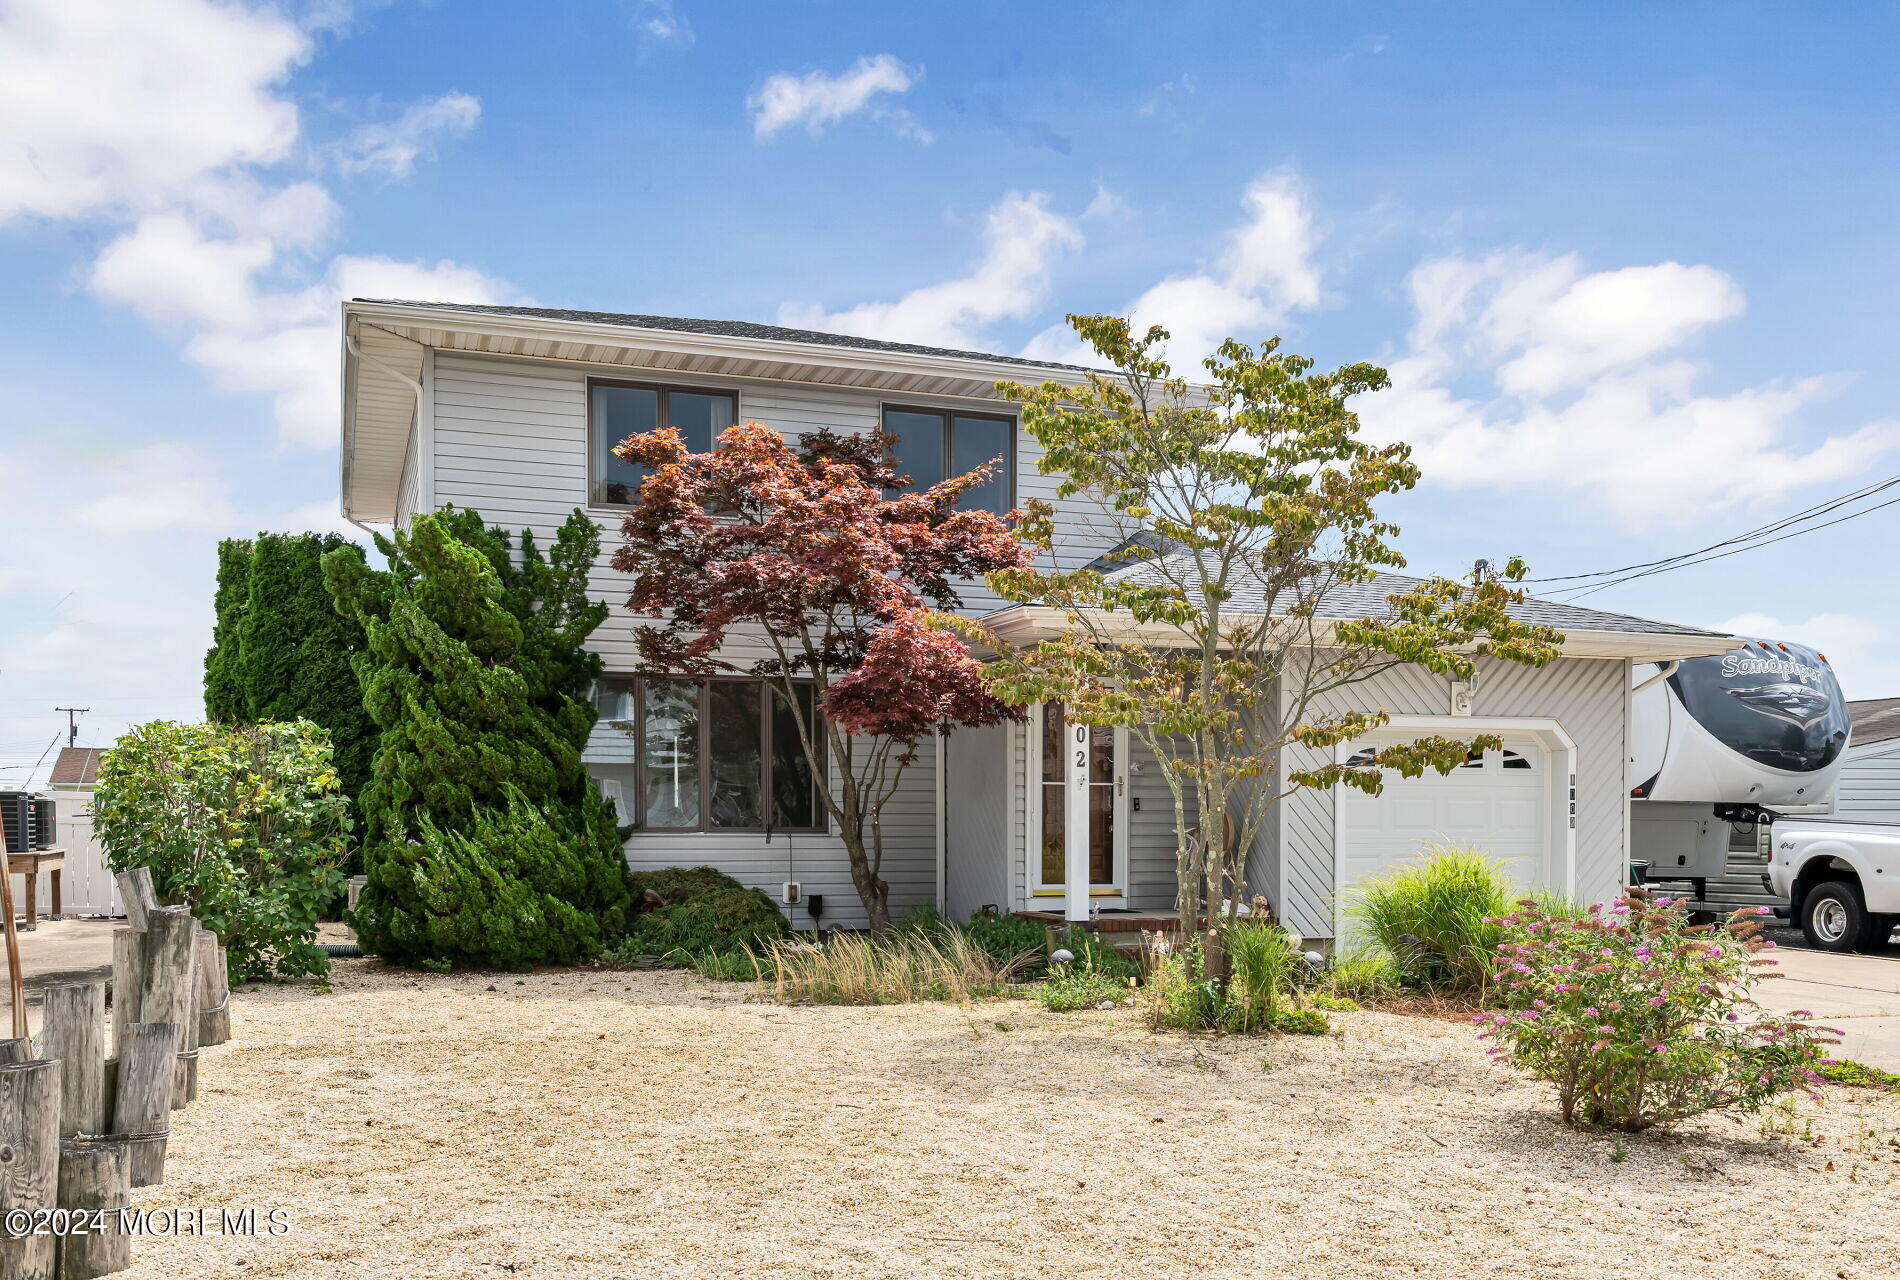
1498 803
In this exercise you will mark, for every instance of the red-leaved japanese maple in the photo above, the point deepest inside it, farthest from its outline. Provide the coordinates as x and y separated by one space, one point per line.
824 555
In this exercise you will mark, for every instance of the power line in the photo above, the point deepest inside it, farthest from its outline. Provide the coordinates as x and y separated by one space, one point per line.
1791 526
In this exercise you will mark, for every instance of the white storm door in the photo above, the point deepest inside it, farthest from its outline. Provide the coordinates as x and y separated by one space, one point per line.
1069 757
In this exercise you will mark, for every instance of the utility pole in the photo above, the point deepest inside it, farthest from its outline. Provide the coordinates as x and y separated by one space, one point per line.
72 723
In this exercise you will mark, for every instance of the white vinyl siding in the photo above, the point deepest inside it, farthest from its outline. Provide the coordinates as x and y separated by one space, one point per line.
511 442
1869 784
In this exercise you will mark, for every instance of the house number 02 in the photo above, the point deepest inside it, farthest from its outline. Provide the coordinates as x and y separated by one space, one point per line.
1081 732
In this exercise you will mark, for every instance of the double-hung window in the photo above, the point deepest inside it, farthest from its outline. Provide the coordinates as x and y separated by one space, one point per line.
932 445
706 755
616 410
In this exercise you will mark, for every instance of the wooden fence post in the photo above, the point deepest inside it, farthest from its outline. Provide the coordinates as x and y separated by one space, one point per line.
95 1174
165 995
73 1030
29 1164
214 991
141 1113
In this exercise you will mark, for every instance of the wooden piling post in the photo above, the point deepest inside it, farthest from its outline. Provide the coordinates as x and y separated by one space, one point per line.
95 1175
214 991
73 1030
141 1113
29 1164
128 975
16 1051
137 893
165 995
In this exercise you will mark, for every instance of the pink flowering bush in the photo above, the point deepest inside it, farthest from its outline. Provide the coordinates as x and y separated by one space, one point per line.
1641 1019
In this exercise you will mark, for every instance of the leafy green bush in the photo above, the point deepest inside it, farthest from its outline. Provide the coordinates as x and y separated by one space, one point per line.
1008 939
1095 952
1179 995
1860 1075
1301 1022
1437 917
1331 1004
245 825
672 885
723 920
1069 987
1640 1019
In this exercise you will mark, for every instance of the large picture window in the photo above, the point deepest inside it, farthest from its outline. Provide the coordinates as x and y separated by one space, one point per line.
616 410
713 755
931 445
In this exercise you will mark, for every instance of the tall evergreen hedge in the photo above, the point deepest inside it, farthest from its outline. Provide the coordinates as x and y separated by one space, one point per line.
281 651
485 842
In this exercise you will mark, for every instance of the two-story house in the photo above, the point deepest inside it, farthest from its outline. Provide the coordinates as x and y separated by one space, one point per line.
514 411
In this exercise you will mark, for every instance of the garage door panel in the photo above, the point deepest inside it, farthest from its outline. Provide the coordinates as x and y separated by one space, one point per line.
1498 806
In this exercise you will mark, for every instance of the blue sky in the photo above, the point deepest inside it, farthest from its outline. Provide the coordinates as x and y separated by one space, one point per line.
1631 265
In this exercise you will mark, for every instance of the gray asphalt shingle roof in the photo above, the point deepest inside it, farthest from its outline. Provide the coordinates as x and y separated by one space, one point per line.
1369 600
722 328
1875 719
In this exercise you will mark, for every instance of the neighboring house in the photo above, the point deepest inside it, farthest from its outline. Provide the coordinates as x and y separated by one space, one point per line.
76 769
513 411
1869 784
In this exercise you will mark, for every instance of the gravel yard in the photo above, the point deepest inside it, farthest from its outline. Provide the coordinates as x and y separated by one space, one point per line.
654 1125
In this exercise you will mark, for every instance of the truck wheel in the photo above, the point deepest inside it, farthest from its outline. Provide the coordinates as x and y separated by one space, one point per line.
1834 918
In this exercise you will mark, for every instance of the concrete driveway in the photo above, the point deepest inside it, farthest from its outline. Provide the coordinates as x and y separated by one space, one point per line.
1858 994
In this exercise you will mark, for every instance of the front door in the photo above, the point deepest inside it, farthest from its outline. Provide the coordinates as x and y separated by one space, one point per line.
1095 760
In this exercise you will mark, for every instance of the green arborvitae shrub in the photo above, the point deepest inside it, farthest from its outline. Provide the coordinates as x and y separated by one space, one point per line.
485 842
280 649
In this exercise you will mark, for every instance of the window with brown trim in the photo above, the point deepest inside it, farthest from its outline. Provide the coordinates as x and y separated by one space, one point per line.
707 755
616 410
931 445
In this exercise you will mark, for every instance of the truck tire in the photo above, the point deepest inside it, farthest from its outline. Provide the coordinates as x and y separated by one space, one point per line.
1834 917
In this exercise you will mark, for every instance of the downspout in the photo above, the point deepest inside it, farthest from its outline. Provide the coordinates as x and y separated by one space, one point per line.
1668 669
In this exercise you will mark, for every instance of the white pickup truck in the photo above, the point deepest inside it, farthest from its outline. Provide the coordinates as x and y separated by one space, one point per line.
1841 879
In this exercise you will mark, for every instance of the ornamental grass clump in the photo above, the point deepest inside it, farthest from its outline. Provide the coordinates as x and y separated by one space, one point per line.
1437 917
1641 1019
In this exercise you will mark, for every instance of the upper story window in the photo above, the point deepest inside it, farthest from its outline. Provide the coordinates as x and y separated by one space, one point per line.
616 410
931 445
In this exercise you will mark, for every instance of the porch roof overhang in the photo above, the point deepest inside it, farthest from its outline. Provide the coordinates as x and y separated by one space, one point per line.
1026 624
384 343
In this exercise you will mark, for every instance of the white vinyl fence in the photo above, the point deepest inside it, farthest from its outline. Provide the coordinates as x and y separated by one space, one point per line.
86 887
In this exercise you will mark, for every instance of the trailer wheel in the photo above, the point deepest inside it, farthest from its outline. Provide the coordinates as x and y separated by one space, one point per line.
1835 918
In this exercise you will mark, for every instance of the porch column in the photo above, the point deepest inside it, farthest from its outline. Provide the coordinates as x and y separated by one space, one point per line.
1075 827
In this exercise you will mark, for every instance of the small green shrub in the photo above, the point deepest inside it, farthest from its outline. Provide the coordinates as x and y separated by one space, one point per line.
924 919
723 920
1301 1022
1179 996
1640 1019
1437 917
1008 939
1363 977
1859 1074
1332 1004
1069 987
1097 954
674 885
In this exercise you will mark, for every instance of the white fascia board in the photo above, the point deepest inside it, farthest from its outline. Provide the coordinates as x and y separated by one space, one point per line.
533 328
1025 624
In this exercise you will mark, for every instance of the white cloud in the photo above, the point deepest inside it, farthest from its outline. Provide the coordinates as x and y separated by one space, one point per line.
1590 391
817 100
253 338
154 487
394 146
657 20
1263 273
1022 239
1860 650
112 106
1106 203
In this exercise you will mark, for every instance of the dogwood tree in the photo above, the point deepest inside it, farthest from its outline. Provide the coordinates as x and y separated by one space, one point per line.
824 554
1256 485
